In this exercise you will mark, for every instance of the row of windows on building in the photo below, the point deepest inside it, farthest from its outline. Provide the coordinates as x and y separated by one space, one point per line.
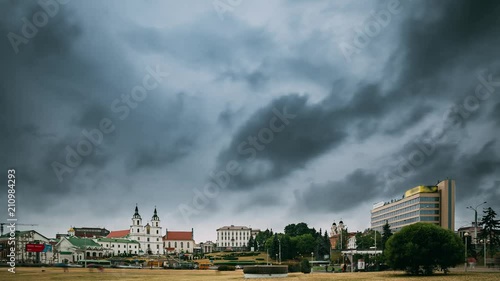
403 213
391 220
228 235
112 246
393 212
148 231
181 244
413 220
407 203
147 239
232 244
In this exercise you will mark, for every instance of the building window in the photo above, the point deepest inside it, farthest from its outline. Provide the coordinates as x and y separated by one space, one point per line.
175 244
118 245
138 230
182 245
188 244
157 239
148 239
138 238
169 244
118 251
157 246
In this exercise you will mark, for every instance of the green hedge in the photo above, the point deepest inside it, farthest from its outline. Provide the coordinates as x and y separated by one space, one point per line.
259 259
293 267
226 268
231 258
266 269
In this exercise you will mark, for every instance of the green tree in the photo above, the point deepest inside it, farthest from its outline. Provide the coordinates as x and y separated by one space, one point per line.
261 239
366 240
421 247
491 229
386 234
250 243
305 244
305 266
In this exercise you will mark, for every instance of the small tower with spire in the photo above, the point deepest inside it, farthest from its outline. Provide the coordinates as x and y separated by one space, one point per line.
136 221
156 234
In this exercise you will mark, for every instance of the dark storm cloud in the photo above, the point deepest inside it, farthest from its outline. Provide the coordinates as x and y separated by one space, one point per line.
54 88
460 36
335 196
289 149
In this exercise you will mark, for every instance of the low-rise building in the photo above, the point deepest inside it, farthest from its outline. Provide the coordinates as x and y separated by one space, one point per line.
119 247
23 253
179 242
234 238
73 249
207 247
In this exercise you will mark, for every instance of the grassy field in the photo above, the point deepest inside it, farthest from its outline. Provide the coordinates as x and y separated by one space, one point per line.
81 274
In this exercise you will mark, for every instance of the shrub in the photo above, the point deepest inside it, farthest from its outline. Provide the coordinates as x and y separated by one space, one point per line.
226 268
421 247
259 259
266 269
305 266
230 258
294 267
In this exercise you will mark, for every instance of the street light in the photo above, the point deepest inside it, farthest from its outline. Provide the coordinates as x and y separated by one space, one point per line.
484 252
279 241
465 254
312 259
475 220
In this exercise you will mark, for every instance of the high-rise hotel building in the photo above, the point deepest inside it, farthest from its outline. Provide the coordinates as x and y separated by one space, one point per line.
432 204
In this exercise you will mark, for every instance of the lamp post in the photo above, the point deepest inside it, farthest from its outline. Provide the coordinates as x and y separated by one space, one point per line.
279 241
465 254
312 259
475 221
484 251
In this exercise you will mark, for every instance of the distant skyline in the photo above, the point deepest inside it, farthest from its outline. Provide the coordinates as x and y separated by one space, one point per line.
258 113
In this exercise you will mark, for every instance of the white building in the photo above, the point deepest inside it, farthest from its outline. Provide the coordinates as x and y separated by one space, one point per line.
207 247
351 242
73 249
118 247
234 237
23 238
149 236
176 242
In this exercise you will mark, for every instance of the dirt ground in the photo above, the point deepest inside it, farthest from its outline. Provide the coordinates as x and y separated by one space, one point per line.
81 274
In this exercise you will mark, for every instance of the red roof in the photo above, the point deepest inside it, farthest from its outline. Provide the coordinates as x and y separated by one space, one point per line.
178 235
118 233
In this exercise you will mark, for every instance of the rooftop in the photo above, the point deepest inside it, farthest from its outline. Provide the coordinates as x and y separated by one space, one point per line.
119 233
178 235
116 240
234 227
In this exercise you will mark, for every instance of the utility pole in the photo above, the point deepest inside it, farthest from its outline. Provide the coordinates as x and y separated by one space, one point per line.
475 221
279 241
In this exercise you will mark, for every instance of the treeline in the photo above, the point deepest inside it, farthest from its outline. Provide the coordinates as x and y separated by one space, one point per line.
298 240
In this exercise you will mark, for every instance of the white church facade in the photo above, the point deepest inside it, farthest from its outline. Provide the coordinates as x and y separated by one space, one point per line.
149 236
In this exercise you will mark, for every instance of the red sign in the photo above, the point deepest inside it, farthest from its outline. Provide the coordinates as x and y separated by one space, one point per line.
35 247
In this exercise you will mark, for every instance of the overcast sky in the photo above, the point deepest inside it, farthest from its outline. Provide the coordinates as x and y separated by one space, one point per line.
318 109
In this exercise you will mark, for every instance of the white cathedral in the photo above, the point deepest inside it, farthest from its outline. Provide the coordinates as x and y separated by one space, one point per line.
149 236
